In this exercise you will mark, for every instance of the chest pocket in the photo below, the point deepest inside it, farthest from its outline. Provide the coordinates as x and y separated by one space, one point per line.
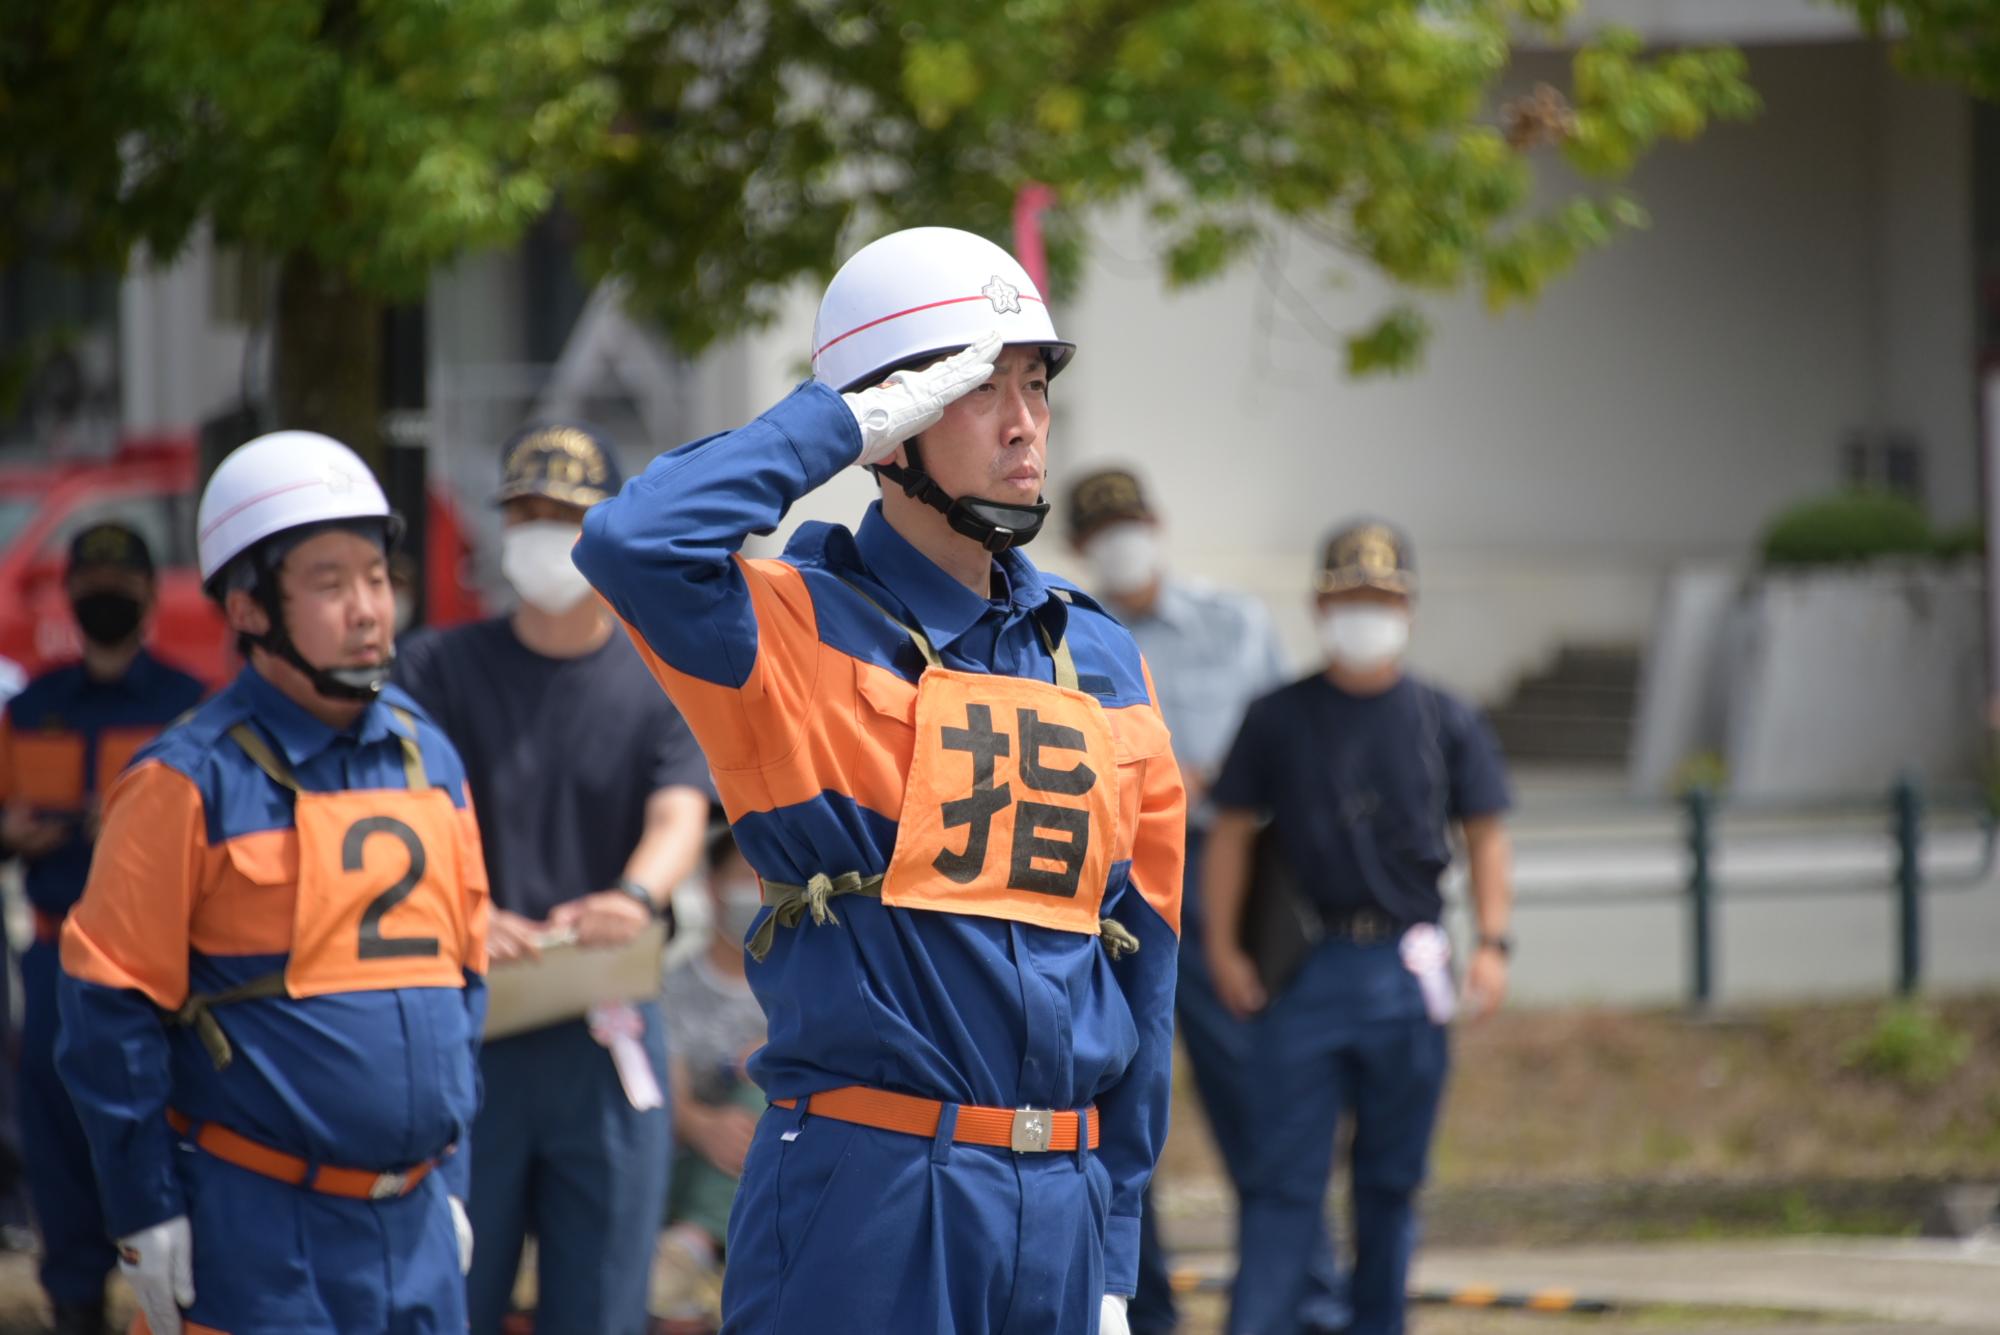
48 769
1140 738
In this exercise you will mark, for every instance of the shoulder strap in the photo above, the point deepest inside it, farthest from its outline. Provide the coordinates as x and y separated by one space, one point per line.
1064 660
414 777
917 637
261 754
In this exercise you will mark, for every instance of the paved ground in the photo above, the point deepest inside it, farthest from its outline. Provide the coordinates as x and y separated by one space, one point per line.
1831 1287
1809 1287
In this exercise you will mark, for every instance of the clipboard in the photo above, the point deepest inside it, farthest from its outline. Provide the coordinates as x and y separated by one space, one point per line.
569 979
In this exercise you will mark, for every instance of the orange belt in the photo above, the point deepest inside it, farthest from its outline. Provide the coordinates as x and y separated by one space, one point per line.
48 927
356 1184
1023 1130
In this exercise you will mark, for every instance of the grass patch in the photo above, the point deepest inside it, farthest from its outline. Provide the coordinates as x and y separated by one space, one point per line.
1911 1045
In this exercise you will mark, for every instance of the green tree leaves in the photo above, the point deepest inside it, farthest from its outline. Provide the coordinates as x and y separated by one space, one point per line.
715 152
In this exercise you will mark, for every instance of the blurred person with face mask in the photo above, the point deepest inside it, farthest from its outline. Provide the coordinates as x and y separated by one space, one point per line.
273 985
1212 652
592 801
63 740
1361 770
714 1023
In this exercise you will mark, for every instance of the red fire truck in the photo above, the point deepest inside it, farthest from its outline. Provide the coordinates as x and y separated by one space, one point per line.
149 484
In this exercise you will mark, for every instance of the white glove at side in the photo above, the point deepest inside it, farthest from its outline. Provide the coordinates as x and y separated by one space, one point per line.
1111 1315
462 1224
909 402
158 1263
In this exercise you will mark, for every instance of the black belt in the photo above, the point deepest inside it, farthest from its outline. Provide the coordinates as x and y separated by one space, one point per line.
1362 927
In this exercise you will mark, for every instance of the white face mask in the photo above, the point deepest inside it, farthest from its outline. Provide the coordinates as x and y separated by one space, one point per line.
1125 558
1364 636
535 559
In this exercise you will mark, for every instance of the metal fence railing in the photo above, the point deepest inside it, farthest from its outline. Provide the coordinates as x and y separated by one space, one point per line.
1908 816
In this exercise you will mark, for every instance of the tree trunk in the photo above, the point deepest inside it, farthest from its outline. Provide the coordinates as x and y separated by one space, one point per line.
327 358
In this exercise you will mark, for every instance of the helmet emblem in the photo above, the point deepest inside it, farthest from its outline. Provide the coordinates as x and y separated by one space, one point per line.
1006 298
338 480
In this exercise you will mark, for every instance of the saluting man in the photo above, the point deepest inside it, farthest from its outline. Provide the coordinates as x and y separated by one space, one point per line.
271 991
952 776
62 741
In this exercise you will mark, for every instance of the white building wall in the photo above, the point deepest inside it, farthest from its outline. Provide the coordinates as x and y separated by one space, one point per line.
180 359
1661 402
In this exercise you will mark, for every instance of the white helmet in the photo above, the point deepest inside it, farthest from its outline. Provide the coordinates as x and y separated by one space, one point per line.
921 292
279 481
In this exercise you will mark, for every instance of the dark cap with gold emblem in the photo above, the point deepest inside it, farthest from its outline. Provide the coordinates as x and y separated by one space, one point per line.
1367 554
110 545
1106 496
566 463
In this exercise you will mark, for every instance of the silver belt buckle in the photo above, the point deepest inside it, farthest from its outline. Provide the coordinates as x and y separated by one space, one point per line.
387 1185
1032 1127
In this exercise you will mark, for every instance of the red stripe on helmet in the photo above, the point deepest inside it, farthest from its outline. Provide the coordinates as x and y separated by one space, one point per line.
927 306
259 499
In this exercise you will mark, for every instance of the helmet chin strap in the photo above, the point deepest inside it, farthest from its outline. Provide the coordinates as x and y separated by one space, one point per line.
361 684
994 525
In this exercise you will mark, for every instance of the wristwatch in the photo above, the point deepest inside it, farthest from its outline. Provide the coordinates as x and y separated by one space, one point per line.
1502 943
640 893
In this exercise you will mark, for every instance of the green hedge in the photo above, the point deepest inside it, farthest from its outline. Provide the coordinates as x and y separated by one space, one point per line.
1965 540
1851 526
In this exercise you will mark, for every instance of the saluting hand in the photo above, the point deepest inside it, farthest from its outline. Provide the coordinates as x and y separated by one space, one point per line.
606 918
911 402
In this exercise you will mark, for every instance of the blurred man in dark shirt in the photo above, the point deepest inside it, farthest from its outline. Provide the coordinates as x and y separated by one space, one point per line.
592 802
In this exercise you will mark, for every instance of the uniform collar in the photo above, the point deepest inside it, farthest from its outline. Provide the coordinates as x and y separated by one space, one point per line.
298 733
137 676
943 608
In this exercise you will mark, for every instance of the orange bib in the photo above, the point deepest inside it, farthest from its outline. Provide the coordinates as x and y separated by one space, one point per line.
48 769
1011 805
377 904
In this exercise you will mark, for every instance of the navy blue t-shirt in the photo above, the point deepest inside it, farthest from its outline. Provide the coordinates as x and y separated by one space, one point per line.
1362 790
562 754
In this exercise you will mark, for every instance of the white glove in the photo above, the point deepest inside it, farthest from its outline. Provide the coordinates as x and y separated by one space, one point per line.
159 1265
461 1223
909 402
1111 1315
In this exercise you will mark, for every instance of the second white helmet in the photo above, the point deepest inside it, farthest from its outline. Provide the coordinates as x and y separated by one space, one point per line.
283 480
922 292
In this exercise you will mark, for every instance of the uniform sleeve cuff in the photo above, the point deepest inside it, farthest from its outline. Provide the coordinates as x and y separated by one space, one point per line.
1121 1255
129 1212
821 430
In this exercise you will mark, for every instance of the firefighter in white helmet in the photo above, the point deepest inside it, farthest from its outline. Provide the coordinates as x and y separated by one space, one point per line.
950 773
271 992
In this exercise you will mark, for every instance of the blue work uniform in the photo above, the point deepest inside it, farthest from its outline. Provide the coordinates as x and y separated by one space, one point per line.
1212 652
1361 791
804 679
63 740
563 754
213 872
